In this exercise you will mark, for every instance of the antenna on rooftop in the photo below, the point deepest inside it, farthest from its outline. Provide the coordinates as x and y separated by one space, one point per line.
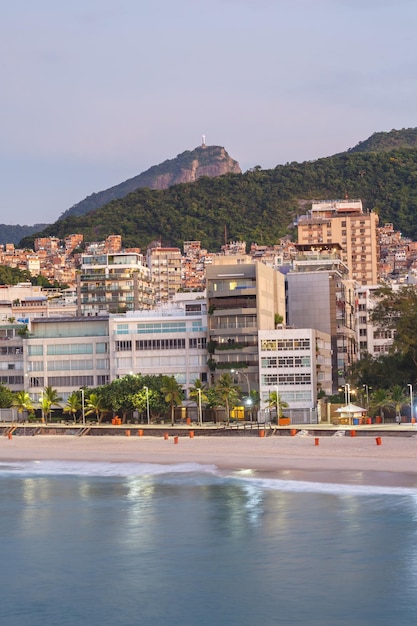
203 141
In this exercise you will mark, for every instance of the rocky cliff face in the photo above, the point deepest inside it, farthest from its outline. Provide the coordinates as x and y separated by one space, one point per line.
209 161
187 167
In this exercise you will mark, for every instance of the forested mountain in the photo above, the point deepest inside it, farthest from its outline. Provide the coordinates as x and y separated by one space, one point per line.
14 233
258 206
185 168
384 142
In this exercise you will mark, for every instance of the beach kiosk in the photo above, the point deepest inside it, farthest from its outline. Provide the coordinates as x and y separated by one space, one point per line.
351 414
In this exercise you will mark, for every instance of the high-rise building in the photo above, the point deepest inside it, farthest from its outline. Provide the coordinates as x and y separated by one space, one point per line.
322 296
115 283
242 297
344 223
165 265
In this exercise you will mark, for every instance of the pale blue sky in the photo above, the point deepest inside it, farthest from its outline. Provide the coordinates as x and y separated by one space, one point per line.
96 91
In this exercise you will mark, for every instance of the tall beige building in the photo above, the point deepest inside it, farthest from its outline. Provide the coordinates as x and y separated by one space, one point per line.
165 265
345 223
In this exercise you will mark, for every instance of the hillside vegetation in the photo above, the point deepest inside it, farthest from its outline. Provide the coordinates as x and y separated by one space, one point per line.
258 206
184 168
384 142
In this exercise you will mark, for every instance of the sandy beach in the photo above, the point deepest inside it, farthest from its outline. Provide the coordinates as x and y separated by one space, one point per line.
336 459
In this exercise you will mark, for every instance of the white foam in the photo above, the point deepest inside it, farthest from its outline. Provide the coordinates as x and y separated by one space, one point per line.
300 486
92 468
248 477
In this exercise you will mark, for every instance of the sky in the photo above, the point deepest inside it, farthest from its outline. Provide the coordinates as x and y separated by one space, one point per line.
94 92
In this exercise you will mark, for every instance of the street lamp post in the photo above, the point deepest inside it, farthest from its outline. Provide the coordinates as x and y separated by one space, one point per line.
238 373
411 403
277 395
366 387
347 392
83 406
147 404
200 412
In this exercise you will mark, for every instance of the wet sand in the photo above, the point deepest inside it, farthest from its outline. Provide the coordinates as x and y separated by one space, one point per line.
336 459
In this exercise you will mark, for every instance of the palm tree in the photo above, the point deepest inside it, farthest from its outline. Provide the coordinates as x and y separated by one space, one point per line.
73 404
227 393
22 402
380 400
49 399
398 399
95 406
172 393
275 400
199 395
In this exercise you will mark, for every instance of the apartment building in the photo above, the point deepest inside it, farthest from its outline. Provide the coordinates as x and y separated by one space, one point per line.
322 296
297 364
242 297
371 340
165 265
113 283
343 222
66 353
171 340
11 356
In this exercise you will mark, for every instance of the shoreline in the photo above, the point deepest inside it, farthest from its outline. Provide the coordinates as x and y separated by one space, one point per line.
335 460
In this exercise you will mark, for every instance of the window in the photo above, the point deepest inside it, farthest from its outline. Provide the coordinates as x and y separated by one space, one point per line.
69 348
197 343
269 362
160 344
70 364
123 345
71 381
268 344
35 350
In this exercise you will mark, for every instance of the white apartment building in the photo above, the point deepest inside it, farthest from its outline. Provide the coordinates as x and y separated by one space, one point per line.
296 363
370 339
170 340
66 353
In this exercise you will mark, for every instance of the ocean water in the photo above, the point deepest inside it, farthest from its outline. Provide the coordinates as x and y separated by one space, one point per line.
187 545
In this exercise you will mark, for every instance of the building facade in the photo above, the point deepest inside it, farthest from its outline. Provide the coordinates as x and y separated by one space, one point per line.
343 222
321 296
295 363
242 298
113 283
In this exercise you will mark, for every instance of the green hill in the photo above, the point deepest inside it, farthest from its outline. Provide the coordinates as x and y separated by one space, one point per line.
384 142
258 206
186 167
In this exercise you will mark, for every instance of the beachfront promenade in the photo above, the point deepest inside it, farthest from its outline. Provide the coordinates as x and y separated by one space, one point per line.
207 429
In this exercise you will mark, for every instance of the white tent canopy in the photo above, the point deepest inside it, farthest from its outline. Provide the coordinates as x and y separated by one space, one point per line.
351 408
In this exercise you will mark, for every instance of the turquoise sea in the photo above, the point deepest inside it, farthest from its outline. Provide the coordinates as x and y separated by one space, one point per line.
129 544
